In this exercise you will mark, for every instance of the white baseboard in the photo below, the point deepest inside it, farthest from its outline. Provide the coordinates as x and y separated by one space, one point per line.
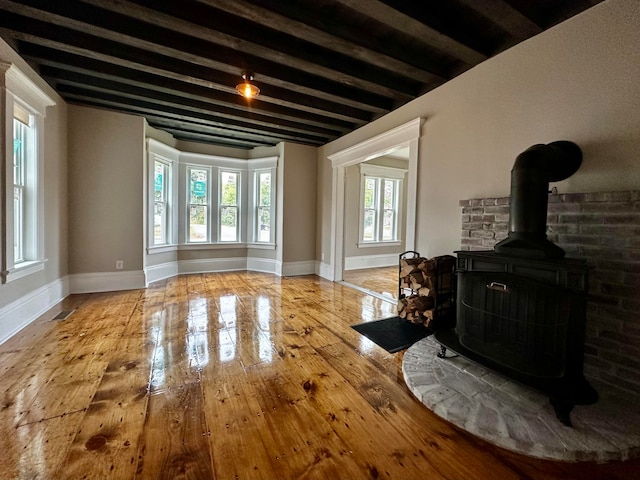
370 261
265 265
325 270
21 312
293 269
210 265
106 281
155 273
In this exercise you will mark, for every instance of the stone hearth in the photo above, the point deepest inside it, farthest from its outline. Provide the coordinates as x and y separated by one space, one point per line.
516 417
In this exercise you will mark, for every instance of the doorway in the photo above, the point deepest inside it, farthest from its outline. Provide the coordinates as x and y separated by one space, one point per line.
405 139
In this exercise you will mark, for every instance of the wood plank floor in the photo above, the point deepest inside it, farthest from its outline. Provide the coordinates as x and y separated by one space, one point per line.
381 280
231 376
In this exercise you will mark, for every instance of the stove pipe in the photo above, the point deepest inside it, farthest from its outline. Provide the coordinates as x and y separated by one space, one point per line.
530 176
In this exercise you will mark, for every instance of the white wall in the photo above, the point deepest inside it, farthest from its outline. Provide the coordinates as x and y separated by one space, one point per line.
577 81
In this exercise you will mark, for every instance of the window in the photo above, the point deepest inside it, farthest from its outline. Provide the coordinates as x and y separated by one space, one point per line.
229 206
162 228
262 201
198 201
381 189
198 205
23 220
161 186
263 207
23 181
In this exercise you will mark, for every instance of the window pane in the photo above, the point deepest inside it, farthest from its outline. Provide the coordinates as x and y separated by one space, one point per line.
198 223
389 194
229 188
20 144
159 223
369 231
228 224
264 224
388 227
369 192
265 189
159 182
198 187
18 230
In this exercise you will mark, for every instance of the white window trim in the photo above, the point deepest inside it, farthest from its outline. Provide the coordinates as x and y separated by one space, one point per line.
240 214
212 216
19 88
179 214
256 167
161 152
379 171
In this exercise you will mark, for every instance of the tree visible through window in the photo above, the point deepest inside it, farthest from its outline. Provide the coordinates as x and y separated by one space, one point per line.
22 163
264 207
379 209
160 203
198 204
228 206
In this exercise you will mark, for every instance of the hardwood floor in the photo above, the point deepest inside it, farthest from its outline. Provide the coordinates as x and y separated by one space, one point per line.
231 376
381 280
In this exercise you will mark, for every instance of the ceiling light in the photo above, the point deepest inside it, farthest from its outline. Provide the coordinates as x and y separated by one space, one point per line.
247 89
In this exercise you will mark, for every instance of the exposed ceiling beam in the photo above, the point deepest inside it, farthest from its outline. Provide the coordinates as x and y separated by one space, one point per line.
270 19
423 33
315 111
503 14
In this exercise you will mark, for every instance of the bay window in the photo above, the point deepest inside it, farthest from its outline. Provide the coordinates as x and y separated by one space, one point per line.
199 201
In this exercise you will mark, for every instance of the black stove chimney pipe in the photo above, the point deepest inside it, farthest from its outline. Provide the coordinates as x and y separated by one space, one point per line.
530 176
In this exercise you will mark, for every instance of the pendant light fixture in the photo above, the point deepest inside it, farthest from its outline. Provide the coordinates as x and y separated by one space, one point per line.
247 89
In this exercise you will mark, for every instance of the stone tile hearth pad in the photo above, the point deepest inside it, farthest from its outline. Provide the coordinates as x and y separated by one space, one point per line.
516 417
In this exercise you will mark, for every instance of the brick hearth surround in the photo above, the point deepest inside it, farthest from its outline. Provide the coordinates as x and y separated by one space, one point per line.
604 228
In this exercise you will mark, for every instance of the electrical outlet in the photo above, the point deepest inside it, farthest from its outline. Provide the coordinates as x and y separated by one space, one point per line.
119 264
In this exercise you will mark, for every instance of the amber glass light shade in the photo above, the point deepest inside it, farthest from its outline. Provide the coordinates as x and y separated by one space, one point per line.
247 89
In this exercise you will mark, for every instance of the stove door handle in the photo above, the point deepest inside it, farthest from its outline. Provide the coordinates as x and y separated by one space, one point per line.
501 287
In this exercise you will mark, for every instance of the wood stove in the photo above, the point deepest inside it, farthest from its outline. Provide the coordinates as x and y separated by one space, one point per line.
521 309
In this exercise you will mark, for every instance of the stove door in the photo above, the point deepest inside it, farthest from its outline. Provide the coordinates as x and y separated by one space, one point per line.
521 323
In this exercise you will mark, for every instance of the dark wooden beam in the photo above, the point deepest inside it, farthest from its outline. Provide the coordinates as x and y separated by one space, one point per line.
100 85
501 13
318 112
384 13
175 44
233 106
389 78
262 16
142 108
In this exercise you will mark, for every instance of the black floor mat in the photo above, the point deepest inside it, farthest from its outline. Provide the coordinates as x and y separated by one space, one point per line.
393 334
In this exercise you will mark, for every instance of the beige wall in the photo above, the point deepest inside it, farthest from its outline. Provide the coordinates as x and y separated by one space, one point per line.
299 202
106 152
577 81
55 190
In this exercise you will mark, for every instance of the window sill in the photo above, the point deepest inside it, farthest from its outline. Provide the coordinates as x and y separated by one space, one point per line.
262 246
379 244
161 249
210 246
25 269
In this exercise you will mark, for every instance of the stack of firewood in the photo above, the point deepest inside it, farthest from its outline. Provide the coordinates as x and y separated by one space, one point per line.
425 283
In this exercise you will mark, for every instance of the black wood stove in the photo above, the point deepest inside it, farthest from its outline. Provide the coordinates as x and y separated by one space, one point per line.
521 309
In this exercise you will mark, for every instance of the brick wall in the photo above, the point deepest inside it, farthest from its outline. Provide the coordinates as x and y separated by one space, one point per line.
604 228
